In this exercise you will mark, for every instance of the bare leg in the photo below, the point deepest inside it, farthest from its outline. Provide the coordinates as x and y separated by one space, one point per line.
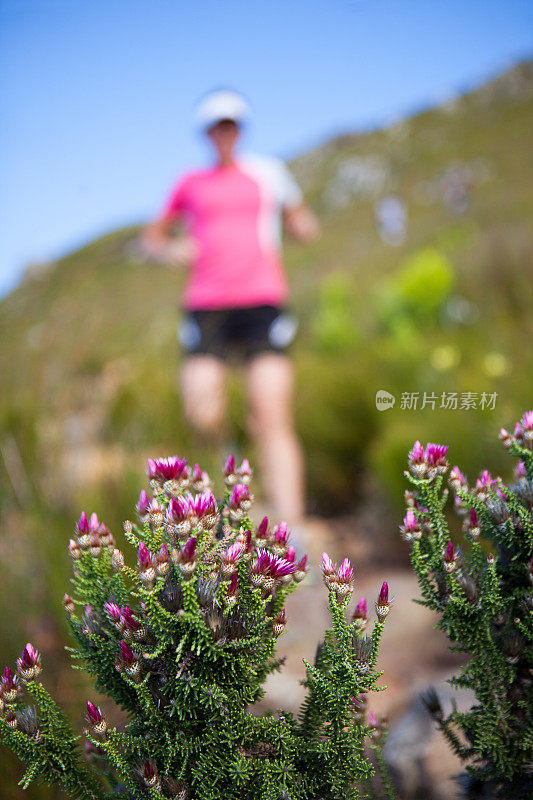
204 395
269 384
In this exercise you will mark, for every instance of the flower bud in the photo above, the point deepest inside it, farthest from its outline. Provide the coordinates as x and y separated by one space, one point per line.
261 534
230 558
359 615
143 504
230 475
29 666
150 776
84 530
233 592
245 472
115 615
129 662
187 558
146 568
105 536
344 584
10 686
162 561
117 560
68 604
95 547
301 569
505 438
383 603
471 525
279 622
11 720
280 539
74 550
450 558
410 529
95 719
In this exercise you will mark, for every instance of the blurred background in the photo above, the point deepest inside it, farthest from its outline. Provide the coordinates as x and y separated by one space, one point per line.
408 126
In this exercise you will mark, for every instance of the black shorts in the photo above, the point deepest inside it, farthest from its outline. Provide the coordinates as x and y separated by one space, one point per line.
242 332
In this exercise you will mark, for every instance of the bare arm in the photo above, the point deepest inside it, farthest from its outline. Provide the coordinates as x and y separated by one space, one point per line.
159 245
301 223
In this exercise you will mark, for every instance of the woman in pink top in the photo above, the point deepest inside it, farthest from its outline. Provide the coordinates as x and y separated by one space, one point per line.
236 294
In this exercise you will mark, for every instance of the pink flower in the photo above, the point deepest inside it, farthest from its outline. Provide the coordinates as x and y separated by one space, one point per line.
9 685
327 565
149 775
114 612
262 529
96 719
436 454
429 462
233 552
360 609
166 469
178 510
456 479
411 527
383 603
520 470
279 622
93 716
527 421
146 563
268 565
143 504
144 557
94 523
82 525
187 558
229 468
290 554
239 493
202 505
187 552
301 570
126 653
248 542
281 534
450 558
384 594
29 666
345 572
232 589
245 471
230 558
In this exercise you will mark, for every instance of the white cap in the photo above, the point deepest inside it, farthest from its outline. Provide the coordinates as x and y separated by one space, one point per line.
222 104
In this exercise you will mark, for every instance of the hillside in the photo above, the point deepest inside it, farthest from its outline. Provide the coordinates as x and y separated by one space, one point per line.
79 337
434 294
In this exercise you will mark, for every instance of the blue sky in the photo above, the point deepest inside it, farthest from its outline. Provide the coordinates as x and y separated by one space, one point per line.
97 95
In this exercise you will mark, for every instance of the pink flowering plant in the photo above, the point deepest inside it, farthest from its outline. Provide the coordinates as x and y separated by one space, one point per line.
482 592
182 641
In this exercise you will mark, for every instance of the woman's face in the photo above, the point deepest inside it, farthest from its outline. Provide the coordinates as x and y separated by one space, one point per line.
223 135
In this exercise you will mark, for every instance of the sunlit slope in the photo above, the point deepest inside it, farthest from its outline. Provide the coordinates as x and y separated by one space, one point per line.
87 347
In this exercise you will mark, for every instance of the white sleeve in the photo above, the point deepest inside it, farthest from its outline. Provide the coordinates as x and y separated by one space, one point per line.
290 194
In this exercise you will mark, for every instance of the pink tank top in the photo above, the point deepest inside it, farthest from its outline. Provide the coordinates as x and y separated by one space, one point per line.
233 214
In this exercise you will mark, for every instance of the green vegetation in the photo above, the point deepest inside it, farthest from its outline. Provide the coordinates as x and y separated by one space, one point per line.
485 608
183 643
89 360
